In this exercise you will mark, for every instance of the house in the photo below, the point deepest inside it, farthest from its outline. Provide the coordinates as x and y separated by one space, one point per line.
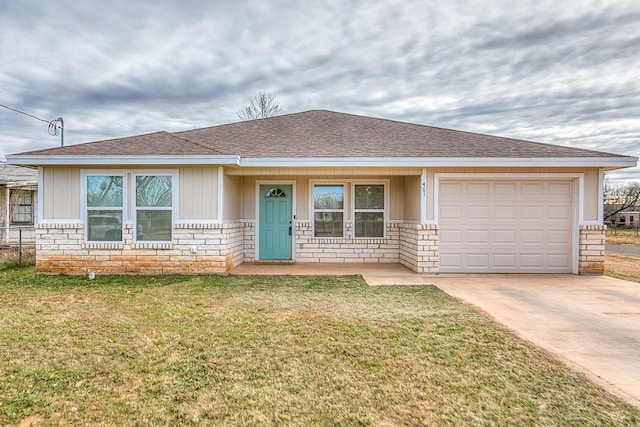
628 219
18 196
320 186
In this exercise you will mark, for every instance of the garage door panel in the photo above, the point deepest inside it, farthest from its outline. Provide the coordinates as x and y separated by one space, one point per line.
559 189
558 260
506 226
453 189
559 212
478 212
532 237
505 212
533 260
504 237
451 261
531 213
532 189
451 236
452 212
478 189
505 189
477 260
478 236
561 237
504 261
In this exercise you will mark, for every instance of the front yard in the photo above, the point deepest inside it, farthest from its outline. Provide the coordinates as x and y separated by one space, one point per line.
272 351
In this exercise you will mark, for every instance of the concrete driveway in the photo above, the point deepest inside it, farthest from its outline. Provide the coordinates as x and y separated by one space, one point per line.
591 322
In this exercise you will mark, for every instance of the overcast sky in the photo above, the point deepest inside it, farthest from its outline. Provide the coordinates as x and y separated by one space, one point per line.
564 72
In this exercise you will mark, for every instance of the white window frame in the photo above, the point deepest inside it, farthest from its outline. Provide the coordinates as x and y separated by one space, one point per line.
384 210
349 210
128 198
85 208
174 202
313 210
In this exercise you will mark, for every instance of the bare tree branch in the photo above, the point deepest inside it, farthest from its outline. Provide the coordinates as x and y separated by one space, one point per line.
620 197
262 106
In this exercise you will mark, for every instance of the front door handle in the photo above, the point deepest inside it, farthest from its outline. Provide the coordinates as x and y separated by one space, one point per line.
289 230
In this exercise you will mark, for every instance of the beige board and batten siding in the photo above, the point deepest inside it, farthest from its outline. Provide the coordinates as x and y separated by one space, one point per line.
400 198
62 189
61 193
198 193
233 200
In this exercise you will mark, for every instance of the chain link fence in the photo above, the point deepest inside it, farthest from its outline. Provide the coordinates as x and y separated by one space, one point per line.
17 245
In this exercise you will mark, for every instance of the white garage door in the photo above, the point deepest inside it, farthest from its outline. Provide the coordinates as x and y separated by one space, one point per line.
497 226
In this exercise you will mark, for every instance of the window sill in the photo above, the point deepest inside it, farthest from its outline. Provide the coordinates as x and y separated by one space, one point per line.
103 245
152 245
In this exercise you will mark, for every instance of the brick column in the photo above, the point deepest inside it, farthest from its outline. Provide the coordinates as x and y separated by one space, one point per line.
420 247
591 256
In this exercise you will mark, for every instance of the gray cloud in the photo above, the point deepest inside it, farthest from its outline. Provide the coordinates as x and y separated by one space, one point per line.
560 73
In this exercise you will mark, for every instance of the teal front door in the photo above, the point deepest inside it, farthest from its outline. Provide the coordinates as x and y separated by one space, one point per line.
275 226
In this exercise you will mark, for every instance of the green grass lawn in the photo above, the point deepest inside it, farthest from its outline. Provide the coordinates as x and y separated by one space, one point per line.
272 351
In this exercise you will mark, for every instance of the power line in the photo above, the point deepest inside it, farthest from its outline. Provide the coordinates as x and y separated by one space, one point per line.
55 126
22 112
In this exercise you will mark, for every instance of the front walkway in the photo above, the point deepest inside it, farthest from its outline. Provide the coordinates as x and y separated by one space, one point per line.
591 322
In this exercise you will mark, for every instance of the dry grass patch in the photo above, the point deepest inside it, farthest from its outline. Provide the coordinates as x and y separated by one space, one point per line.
623 236
623 267
272 351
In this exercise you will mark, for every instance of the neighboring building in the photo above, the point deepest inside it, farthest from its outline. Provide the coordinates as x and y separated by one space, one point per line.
628 219
18 203
320 186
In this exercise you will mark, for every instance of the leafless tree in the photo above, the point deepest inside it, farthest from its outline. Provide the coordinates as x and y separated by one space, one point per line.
619 197
262 106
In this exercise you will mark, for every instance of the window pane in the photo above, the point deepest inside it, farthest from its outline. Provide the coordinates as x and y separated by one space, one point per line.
369 224
369 196
104 226
328 197
328 224
104 191
153 191
153 226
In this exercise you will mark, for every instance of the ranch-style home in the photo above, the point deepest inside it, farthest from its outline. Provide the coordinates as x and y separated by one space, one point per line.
316 187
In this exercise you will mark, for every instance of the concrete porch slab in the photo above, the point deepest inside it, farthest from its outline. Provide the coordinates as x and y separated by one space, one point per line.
373 273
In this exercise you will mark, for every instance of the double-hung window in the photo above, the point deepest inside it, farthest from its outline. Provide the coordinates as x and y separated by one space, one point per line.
22 203
369 210
153 207
328 210
105 206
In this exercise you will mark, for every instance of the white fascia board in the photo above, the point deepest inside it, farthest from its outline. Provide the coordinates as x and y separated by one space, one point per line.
612 162
603 162
43 160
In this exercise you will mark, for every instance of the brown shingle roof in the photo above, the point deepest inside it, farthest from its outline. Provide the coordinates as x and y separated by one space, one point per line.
320 133
159 143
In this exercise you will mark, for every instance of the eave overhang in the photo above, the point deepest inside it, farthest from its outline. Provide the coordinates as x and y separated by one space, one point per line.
152 160
235 160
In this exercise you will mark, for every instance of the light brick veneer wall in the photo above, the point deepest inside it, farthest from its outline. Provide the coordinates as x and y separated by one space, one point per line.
347 249
61 249
419 247
249 241
591 256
